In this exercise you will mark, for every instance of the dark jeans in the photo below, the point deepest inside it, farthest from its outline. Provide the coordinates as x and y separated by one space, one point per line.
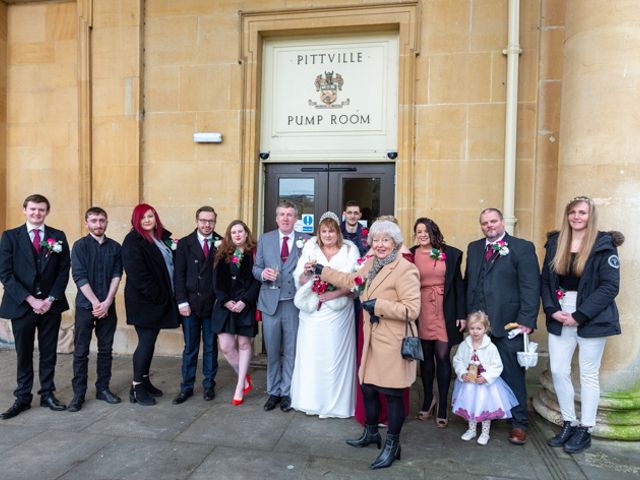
513 375
144 352
24 332
105 329
195 327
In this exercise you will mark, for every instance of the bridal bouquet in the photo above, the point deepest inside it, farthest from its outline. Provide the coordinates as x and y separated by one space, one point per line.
319 287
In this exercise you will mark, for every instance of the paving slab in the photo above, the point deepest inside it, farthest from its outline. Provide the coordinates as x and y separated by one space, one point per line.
244 426
141 459
13 435
49 455
231 463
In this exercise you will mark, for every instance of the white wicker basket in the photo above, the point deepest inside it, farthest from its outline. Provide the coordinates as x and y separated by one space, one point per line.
528 358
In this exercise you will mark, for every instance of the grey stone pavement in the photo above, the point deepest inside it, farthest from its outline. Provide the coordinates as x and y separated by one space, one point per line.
214 440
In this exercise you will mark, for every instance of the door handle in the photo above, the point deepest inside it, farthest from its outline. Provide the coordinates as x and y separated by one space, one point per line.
343 169
314 169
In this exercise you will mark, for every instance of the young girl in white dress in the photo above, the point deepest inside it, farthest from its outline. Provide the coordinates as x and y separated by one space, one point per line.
479 394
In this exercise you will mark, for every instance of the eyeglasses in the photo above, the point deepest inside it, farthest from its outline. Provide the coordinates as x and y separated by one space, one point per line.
207 222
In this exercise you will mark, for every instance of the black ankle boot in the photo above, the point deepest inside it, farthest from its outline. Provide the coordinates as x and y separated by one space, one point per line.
563 435
389 453
139 394
156 392
369 435
579 441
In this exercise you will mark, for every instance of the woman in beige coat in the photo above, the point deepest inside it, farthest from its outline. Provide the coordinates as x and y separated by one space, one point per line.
390 290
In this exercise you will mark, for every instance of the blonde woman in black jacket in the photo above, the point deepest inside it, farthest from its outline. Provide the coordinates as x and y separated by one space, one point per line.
580 280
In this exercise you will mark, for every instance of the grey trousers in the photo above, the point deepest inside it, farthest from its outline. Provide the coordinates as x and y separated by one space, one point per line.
280 336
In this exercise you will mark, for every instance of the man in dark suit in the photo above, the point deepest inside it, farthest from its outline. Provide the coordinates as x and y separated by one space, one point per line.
34 269
503 279
193 280
276 258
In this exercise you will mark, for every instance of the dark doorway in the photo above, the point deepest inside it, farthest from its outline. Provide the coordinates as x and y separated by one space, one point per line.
317 187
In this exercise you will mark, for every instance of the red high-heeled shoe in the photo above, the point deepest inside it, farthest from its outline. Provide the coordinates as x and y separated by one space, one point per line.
248 388
237 402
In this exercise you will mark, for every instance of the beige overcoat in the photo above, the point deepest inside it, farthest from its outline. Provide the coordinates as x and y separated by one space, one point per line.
396 289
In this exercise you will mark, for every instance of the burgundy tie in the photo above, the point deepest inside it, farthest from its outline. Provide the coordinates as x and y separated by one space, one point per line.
205 247
36 240
489 253
284 251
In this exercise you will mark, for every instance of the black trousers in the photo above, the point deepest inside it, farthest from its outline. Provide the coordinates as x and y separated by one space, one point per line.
105 329
24 332
144 352
514 375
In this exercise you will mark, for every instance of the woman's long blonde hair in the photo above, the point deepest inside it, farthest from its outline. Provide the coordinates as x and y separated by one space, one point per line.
561 263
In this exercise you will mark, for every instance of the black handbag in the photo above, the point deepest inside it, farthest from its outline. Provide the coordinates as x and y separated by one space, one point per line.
411 346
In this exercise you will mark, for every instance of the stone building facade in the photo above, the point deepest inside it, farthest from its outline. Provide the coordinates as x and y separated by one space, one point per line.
101 98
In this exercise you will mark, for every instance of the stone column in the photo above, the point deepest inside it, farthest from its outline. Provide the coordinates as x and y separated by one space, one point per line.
600 157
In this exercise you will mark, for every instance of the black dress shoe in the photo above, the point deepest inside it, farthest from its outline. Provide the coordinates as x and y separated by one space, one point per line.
285 403
52 402
182 397
76 403
272 402
16 409
108 396
209 394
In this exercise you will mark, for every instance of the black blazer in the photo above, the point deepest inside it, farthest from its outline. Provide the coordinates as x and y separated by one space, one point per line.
454 303
244 287
511 285
148 297
193 276
21 277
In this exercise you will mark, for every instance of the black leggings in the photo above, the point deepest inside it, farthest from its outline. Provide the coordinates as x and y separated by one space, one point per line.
144 352
395 408
441 370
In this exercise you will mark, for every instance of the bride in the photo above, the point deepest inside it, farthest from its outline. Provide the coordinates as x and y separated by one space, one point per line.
324 373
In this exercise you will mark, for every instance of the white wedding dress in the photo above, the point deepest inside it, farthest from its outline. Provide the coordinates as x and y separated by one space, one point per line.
324 373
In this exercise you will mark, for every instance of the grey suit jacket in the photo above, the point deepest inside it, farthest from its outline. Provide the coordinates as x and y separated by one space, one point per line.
268 255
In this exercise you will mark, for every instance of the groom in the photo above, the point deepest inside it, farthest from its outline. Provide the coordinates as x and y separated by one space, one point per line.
503 280
276 259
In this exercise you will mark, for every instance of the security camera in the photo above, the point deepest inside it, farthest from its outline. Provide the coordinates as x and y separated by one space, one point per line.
392 155
264 155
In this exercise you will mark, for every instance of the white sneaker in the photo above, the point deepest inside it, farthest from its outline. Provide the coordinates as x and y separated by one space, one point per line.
483 439
469 434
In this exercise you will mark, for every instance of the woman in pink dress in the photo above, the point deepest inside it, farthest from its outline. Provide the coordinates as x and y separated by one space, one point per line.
442 314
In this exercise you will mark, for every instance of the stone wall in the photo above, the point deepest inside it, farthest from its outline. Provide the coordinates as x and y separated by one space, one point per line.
162 69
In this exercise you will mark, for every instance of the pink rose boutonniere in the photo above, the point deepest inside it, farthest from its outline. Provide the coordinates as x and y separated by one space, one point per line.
365 232
560 293
501 247
237 257
52 245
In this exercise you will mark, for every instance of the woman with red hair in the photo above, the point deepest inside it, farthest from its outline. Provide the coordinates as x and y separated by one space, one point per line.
147 257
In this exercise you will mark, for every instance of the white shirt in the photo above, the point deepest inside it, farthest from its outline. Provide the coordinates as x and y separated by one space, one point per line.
289 240
31 228
201 239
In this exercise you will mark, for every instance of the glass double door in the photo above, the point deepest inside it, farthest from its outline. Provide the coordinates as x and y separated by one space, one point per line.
317 187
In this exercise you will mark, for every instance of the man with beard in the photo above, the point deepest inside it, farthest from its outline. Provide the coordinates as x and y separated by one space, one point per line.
96 265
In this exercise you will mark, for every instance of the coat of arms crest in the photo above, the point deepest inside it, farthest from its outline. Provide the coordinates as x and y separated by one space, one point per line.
329 84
